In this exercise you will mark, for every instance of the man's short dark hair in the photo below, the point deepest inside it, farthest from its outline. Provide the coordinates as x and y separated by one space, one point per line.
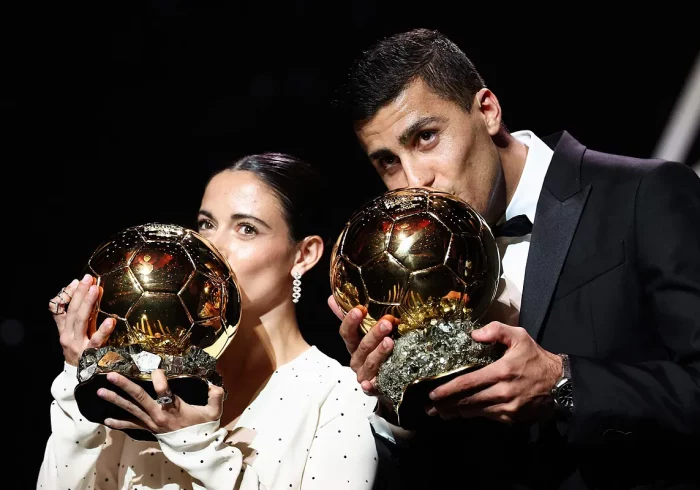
381 73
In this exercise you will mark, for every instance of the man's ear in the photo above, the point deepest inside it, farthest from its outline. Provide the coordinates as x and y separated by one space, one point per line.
487 104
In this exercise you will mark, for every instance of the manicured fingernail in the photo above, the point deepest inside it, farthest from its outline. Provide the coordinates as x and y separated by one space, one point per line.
101 392
112 377
93 289
355 314
87 279
385 344
74 283
432 395
385 326
109 421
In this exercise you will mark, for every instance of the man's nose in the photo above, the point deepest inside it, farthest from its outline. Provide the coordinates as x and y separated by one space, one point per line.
418 174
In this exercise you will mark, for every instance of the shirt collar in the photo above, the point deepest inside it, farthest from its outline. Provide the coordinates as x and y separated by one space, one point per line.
527 193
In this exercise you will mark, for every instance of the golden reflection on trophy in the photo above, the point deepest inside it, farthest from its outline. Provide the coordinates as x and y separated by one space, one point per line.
177 307
429 260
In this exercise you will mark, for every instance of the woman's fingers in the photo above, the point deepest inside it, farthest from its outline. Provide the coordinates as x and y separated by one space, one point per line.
160 385
127 405
92 320
124 424
82 317
58 305
66 294
215 403
74 306
137 393
100 336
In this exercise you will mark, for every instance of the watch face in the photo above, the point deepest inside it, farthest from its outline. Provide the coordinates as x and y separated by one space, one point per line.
565 396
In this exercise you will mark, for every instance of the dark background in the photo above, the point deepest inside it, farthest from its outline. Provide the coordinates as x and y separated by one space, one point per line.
115 114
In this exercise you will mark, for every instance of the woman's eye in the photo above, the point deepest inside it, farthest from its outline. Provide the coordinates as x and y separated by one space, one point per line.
247 229
204 224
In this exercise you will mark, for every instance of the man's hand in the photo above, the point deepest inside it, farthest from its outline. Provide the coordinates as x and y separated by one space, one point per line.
516 387
369 351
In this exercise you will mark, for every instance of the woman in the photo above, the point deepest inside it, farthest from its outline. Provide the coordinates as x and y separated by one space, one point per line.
293 418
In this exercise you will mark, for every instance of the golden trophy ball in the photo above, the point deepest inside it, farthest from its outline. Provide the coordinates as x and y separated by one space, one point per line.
429 260
177 307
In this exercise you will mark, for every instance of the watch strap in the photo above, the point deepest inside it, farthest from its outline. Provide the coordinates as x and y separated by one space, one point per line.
562 391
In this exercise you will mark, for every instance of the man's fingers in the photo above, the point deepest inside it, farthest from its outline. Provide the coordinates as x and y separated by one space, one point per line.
375 359
369 386
473 402
469 382
350 328
335 308
499 332
370 342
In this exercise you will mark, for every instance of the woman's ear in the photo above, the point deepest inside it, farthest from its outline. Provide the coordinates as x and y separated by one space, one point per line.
310 251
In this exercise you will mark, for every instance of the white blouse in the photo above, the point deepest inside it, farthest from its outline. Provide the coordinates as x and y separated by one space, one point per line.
309 428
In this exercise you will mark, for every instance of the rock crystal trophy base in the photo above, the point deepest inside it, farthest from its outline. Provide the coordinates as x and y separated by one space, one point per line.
177 307
429 260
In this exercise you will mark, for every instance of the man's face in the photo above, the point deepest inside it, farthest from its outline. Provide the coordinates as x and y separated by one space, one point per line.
421 139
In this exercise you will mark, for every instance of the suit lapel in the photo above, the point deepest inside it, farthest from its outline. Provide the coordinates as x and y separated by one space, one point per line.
559 209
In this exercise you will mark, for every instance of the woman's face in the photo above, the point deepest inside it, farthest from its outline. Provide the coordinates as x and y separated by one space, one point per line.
243 218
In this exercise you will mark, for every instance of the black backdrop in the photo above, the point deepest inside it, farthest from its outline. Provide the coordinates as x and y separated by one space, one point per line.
116 113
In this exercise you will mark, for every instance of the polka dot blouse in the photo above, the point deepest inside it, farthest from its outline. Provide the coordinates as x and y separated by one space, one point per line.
309 428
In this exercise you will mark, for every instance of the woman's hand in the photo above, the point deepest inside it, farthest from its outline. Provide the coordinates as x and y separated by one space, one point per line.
73 311
160 418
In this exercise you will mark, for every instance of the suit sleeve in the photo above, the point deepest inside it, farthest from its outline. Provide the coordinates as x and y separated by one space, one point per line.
654 400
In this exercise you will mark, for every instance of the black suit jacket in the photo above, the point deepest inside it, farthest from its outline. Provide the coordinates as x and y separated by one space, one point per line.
613 280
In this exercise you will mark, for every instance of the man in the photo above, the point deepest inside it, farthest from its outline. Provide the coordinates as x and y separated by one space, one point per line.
599 307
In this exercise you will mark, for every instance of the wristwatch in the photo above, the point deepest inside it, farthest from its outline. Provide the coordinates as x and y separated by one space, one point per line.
563 392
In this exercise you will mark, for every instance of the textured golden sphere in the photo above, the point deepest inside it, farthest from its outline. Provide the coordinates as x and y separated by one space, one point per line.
411 252
168 289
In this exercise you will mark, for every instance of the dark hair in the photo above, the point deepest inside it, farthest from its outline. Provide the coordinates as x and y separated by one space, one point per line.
297 184
381 73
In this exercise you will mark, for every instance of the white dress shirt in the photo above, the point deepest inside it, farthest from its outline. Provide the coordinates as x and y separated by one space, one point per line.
514 250
307 429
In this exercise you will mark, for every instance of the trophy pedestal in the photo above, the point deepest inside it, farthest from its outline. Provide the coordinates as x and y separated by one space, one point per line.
191 389
410 411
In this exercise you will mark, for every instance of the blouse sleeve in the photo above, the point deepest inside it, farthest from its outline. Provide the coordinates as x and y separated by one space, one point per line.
343 450
77 448
202 452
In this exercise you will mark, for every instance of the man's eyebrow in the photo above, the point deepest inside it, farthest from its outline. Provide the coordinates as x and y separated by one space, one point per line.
381 153
414 128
